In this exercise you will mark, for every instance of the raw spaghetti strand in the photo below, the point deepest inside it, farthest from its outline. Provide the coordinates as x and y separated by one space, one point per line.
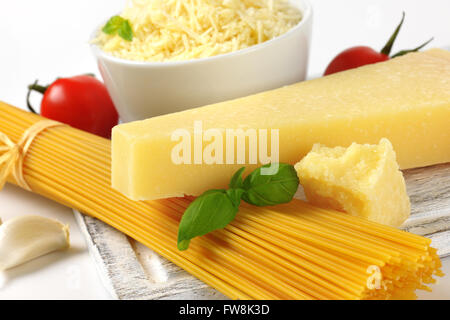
293 251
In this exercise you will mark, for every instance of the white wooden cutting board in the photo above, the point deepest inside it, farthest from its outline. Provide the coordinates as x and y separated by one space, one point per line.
131 271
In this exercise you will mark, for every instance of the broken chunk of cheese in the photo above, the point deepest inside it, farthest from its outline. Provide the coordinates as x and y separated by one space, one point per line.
406 100
362 180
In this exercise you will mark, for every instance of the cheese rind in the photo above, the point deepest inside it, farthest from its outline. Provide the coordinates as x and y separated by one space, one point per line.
406 100
362 180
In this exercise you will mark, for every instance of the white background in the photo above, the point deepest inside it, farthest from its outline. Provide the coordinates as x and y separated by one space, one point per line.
46 39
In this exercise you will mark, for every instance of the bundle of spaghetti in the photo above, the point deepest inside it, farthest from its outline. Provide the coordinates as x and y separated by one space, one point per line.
291 251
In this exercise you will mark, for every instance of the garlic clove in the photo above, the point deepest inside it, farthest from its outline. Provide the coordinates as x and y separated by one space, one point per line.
27 237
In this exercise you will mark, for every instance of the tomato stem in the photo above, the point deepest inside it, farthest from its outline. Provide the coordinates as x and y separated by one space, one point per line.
34 87
403 52
388 47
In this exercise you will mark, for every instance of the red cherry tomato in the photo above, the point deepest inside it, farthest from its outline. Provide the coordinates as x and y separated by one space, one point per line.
81 102
359 56
353 58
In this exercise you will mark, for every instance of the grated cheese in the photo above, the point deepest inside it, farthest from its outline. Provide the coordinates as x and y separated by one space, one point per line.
170 30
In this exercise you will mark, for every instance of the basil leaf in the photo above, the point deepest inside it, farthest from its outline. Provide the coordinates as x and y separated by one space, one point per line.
125 31
119 25
235 196
269 190
213 210
113 25
236 180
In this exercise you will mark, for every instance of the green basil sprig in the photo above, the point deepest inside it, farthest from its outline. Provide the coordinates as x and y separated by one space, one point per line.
215 209
120 26
269 190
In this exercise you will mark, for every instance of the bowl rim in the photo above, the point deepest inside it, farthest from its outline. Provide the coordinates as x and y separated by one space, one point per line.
307 15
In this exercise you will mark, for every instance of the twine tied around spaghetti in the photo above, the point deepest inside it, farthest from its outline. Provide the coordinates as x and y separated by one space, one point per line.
12 155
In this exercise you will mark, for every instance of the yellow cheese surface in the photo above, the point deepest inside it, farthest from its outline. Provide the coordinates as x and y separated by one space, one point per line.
174 30
362 180
406 100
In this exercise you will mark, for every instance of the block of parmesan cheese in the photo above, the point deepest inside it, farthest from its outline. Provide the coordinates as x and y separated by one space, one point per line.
406 100
362 180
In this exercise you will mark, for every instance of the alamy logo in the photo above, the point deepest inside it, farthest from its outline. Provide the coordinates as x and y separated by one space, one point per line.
226 146
375 279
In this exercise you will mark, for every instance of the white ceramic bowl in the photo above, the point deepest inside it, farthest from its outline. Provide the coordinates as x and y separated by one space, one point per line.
142 90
